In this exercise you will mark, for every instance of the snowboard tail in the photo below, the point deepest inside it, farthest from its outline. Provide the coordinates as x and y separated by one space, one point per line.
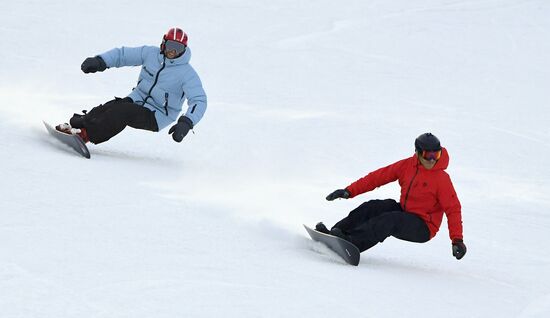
73 141
349 252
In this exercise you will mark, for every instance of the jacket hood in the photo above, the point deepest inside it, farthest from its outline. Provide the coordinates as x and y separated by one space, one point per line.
441 164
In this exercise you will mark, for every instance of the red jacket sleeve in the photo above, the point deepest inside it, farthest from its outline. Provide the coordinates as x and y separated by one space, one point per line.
376 179
451 205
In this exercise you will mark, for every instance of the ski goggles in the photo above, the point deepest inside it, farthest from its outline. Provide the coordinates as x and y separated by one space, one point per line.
431 155
174 46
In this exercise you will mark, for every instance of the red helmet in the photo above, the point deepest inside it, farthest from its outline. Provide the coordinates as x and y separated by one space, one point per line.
176 34
174 39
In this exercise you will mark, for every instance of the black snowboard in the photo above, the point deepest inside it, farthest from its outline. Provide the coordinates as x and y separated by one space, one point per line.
349 252
70 140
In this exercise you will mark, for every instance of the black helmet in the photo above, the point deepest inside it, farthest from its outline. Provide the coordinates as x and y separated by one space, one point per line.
427 142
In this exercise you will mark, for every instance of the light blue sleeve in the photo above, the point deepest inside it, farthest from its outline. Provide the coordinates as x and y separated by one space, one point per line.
196 100
125 56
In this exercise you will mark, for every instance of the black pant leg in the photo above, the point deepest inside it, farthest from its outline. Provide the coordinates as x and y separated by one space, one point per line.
412 228
365 212
98 110
400 224
142 118
105 121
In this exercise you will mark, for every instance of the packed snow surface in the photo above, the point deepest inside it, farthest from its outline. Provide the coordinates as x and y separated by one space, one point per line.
304 98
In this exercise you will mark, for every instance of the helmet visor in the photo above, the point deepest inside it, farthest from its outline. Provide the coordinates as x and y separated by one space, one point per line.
174 46
431 155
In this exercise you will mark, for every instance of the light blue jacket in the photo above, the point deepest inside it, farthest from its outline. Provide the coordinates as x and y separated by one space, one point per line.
163 83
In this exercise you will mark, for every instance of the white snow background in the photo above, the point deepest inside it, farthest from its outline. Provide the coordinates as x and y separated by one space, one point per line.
304 98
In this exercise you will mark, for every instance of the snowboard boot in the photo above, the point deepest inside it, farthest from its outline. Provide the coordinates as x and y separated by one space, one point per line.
339 233
67 129
321 228
84 135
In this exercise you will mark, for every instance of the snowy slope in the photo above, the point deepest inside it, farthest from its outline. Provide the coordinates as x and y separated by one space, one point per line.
304 97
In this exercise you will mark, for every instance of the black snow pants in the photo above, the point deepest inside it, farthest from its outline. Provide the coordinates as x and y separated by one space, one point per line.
107 120
375 220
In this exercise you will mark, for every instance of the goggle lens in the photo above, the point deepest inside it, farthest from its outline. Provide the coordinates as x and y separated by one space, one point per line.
173 45
431 155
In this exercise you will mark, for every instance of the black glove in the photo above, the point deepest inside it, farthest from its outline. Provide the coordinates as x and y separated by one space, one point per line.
93 64
340 193
181 128
459 249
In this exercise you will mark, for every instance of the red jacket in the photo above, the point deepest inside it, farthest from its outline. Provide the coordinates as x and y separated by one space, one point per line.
426 193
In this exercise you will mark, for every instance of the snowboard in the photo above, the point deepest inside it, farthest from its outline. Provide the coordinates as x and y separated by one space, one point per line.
349 252
73 141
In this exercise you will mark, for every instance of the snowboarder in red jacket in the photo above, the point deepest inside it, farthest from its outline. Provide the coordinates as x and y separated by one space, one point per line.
426 193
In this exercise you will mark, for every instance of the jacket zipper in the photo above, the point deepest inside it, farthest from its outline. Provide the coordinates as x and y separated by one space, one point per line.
166 103
409 190
155 82
147 71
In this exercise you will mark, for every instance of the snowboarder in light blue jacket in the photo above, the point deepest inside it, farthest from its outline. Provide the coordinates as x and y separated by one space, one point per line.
166 80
